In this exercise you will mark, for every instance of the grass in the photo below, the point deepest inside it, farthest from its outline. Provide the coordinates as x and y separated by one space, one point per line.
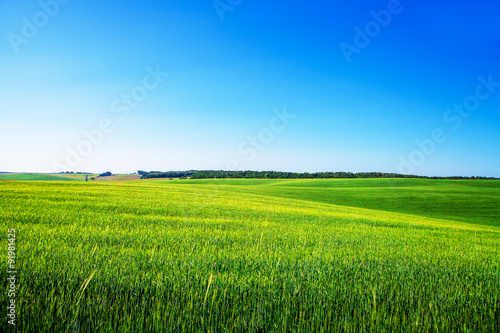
42 176
253 255
457 200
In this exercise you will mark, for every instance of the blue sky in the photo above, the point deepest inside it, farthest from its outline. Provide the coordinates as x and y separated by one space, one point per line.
67 67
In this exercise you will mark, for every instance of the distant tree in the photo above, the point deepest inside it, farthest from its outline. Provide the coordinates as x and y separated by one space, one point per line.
105 174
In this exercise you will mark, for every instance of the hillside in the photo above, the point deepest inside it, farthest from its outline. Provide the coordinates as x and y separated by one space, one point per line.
471 201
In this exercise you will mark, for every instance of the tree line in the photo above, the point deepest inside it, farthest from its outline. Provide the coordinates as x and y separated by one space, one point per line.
194 174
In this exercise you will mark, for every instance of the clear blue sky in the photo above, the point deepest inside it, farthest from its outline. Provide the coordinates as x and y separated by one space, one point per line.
65 70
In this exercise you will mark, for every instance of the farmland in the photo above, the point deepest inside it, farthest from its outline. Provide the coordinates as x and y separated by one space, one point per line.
254 255
43 176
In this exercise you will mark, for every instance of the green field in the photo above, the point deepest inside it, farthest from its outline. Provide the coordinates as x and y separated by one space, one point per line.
43 176
456 200
234 255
